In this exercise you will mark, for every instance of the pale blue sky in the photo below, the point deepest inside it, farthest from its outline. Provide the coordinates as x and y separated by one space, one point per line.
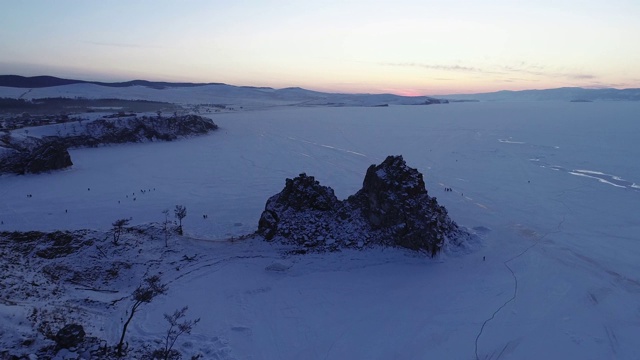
401 46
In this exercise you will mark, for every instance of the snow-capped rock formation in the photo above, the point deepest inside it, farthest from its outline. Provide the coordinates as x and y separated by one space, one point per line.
392 208
150 128
36 155
33 156
140 129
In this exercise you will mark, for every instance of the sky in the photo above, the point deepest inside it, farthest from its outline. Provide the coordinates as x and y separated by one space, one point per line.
405 47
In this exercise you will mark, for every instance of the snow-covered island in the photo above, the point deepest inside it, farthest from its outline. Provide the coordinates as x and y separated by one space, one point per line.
392 209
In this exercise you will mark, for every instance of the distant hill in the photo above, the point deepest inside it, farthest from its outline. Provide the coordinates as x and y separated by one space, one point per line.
42 87
574 94
32 82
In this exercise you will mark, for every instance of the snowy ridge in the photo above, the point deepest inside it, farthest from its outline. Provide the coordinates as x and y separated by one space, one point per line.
217 94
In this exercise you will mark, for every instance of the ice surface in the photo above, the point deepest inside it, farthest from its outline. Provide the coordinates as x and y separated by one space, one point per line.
571 242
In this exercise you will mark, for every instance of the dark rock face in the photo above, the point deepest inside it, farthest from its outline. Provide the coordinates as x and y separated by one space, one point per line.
388 190
143 129
300 195
36 156
140 129
392 208
304 193
394 199
70 336
49 156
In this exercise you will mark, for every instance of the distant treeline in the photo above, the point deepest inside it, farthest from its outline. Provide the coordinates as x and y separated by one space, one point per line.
9 103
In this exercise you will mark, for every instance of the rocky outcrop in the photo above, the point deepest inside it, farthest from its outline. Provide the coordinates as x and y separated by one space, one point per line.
394 200
392 208
52 155
70 336
35 156
148 128
139 129
302 196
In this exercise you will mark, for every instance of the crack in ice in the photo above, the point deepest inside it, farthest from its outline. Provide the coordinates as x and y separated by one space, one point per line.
515 279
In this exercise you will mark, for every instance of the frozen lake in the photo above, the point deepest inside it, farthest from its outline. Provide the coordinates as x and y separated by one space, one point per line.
504 157
553 186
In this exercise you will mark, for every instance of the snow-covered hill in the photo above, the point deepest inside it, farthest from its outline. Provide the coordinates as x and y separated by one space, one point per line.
240 96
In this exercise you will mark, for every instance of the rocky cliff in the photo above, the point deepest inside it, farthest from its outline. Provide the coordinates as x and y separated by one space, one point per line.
35 155
393 208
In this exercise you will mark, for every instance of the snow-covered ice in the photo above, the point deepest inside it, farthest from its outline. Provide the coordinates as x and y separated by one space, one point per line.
557 275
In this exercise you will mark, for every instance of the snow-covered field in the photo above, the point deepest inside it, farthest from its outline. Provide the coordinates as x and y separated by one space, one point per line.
552 187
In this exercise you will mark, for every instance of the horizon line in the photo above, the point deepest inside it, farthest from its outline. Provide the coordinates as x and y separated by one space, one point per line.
191 83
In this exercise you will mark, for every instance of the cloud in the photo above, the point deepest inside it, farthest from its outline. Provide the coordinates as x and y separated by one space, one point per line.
572 76
121 45
580 76
519 79
435 67
522 68
538 70
601 85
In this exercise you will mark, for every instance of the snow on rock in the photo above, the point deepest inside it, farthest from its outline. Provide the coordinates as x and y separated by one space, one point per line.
392 208
51 155
148 128
139 129
35 155
71 287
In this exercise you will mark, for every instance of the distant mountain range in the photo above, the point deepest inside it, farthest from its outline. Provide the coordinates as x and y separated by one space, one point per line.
575 94
40 87
33 82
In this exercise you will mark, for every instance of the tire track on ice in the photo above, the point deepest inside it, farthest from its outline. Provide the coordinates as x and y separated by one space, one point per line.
515 287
